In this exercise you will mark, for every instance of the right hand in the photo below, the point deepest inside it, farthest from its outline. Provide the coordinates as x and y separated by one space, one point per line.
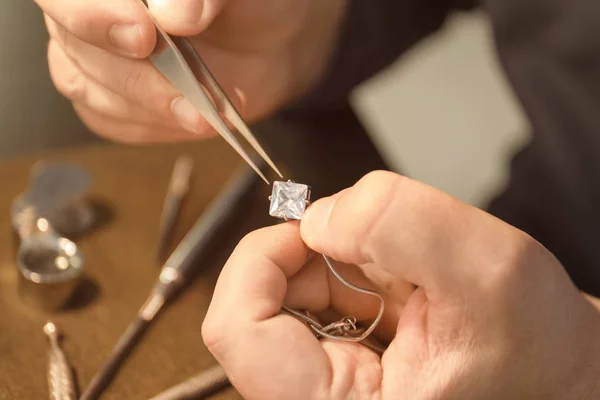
265 54
475 309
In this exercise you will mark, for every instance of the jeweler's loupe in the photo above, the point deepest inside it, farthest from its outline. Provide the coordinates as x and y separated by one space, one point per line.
49 268
53 207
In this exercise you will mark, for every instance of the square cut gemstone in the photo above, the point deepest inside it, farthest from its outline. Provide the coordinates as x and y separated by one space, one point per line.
288 200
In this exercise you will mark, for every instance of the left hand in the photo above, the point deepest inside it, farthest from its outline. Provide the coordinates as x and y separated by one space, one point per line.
266 54
494 316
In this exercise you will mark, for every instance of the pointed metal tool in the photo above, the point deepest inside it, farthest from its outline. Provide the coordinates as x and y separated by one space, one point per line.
61 385
178 61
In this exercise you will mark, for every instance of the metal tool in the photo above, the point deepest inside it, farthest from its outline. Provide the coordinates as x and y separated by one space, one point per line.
54 205
178 188
174 274
177 60
204 384
49 266
61 383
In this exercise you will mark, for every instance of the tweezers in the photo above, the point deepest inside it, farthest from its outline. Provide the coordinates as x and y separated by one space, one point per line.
178 61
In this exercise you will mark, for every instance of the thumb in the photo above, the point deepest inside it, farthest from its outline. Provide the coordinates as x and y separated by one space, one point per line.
393 226
185 17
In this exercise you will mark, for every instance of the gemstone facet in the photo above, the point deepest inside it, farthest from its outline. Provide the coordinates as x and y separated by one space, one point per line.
289 200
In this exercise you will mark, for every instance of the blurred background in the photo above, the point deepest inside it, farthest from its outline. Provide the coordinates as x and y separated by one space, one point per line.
33 116
443 114
465 150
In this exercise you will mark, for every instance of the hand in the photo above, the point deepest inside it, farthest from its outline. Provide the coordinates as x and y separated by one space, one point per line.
265 53
493 315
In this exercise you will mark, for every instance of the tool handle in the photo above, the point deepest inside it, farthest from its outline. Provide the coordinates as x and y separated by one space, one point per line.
61 383
119 353
211 220
199 386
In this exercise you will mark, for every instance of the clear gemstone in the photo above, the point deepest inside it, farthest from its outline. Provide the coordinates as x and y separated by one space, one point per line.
288 200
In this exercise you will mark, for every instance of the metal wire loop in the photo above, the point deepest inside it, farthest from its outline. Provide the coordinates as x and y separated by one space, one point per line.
346 329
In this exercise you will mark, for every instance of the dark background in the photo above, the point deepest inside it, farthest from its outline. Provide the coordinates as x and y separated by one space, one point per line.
33 116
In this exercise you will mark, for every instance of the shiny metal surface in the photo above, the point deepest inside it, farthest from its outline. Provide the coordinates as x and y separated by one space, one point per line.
177 60
49 267
61 383
53 205
178 188
175 273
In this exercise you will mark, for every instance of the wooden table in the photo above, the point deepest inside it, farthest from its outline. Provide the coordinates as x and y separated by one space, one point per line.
121 268
329 150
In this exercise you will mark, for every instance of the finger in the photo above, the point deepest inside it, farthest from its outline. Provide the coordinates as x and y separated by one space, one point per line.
309 288
128 133
364 307
244 323
409 345
120 26
257 272
72 83
315 289
185 17
412 231
135 80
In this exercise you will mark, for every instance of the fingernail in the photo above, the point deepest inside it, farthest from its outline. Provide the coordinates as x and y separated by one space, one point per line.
179 11
187 115
126 37
190 12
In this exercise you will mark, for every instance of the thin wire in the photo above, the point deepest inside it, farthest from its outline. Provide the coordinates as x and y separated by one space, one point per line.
303 317
341 330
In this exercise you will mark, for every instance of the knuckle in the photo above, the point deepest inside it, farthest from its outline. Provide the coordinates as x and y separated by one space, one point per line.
374 195
132 79
110 129
72 23
67 78
56 31
514 264
249 241
371 201
79 19
51 27
62 36
48 21
144 86
380 178
518 253
128 136
212 333
217 334
72 87
133 82
133 134
385 206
